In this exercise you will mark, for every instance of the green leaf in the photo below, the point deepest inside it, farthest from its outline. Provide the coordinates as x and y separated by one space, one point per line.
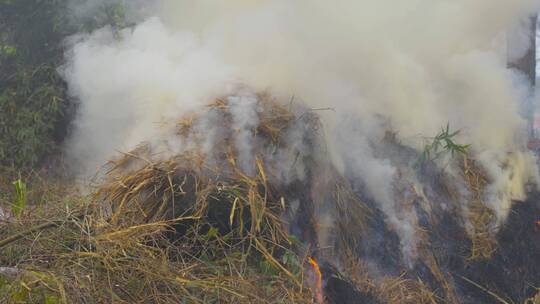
9 50
442 143
212 233
20 197
51 300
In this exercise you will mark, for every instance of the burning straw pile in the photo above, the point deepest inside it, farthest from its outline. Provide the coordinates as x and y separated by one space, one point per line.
223 220
240 204
193 227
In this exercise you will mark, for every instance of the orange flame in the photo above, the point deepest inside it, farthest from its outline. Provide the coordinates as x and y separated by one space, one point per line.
318 280
538 223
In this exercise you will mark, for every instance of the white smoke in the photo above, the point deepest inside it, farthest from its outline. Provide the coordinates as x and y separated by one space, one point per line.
419 63
245 120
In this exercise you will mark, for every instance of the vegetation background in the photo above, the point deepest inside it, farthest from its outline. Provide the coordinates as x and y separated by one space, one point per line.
35 109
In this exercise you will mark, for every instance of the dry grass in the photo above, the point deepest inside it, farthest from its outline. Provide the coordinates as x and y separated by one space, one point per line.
81 262
534 300
163 231
358 273
480 216
404 291
391 290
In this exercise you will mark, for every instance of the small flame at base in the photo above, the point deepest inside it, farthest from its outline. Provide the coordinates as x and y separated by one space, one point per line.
318 280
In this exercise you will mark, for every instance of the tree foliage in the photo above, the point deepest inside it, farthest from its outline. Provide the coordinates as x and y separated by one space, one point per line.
33 102
34 108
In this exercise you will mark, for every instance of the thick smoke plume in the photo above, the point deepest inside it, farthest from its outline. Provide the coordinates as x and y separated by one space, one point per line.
405 66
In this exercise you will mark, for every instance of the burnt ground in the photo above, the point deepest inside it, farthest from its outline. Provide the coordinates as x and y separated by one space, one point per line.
512 274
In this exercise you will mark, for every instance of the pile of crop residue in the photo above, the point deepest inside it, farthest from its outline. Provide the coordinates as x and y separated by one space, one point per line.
192 219
240 203
249 189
